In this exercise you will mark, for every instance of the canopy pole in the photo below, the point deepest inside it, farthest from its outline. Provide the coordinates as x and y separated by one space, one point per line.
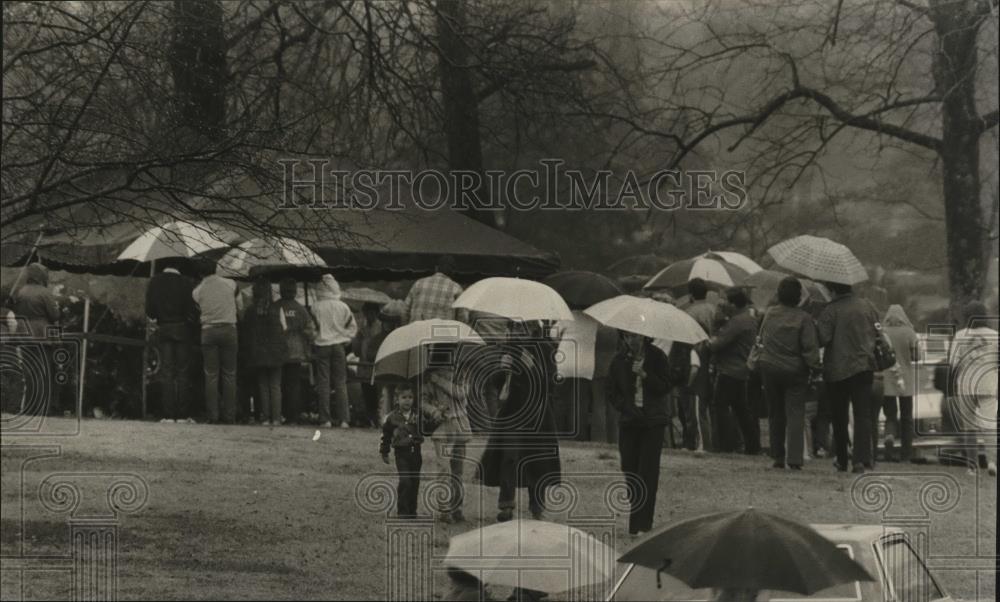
83 356
145 348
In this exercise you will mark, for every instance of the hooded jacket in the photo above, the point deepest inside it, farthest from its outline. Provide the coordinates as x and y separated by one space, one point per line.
35 303
334 318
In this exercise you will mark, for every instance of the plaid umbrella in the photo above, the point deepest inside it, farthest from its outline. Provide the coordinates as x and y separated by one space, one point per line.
266 254
365 295
713 271
819 259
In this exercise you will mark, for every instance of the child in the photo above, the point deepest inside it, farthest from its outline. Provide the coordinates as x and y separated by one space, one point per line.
401 432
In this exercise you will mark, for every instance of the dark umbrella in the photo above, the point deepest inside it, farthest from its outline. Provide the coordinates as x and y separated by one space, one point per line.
747 550
582 289
633 271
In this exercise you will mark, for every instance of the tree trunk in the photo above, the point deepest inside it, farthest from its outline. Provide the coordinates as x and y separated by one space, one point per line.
954 77
461 108
198 64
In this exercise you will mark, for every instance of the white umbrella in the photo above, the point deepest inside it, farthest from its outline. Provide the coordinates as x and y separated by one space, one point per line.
177 239
514 298
531 554
267 252
749 265
400 353
647 317
820 259
578 355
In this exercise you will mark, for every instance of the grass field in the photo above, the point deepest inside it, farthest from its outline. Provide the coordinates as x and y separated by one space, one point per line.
268 513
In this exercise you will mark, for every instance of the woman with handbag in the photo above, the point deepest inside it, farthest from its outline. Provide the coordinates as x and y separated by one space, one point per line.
786 353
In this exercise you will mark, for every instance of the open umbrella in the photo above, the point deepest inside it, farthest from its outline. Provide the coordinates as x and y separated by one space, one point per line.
713 271
365 295
401 353
747 550
514 298
763 287
532 554
585 345
632 272
820 259
177 239
647 317
738 259
261 255
582 289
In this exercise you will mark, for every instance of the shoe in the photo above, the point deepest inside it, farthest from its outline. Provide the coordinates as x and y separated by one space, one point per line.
267 423
98 413
327 425
840 467
779 465
970 471
991 469
189 421
505 515
344 425
858 469
821 453
795 466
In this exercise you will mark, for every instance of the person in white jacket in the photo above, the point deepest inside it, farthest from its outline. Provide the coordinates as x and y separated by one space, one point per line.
337 327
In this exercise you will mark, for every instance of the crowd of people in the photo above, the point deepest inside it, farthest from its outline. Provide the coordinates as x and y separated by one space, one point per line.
809 368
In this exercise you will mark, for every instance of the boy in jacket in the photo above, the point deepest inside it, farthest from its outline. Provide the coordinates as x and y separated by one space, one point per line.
401 433
640 391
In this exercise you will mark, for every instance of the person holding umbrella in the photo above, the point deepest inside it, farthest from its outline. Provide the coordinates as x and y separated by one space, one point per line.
170 305
267 350
639 389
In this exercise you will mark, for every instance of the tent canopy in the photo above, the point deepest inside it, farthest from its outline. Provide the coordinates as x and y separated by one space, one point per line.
396 240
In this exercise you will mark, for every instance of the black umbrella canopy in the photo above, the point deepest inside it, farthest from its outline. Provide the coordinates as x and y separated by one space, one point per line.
581 289
747 550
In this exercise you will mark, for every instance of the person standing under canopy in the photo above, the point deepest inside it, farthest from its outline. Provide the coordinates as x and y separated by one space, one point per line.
216 298
170 304
337 328
431 297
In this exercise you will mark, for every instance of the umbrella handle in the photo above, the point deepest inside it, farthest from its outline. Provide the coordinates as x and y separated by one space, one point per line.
666 563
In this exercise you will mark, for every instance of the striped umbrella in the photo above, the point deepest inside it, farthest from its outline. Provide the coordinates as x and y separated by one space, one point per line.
402 351
820 259
713 271
737 259
264 254
177 239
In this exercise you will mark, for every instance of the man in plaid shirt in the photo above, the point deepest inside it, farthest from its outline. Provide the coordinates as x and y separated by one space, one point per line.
431 297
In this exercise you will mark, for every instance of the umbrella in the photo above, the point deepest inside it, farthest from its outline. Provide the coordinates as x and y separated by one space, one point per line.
532 554
514 298
633 271
747 550
584 345
268 254
365 295
764 286
713 271
647 317
738 259
400 353
177 239
819 259
582 289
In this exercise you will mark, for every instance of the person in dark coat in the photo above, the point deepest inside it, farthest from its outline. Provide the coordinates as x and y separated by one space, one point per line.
401 434
522 450
169 303
268 349
639 389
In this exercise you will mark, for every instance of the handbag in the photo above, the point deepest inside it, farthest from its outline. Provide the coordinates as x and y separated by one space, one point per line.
753 358
885 354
